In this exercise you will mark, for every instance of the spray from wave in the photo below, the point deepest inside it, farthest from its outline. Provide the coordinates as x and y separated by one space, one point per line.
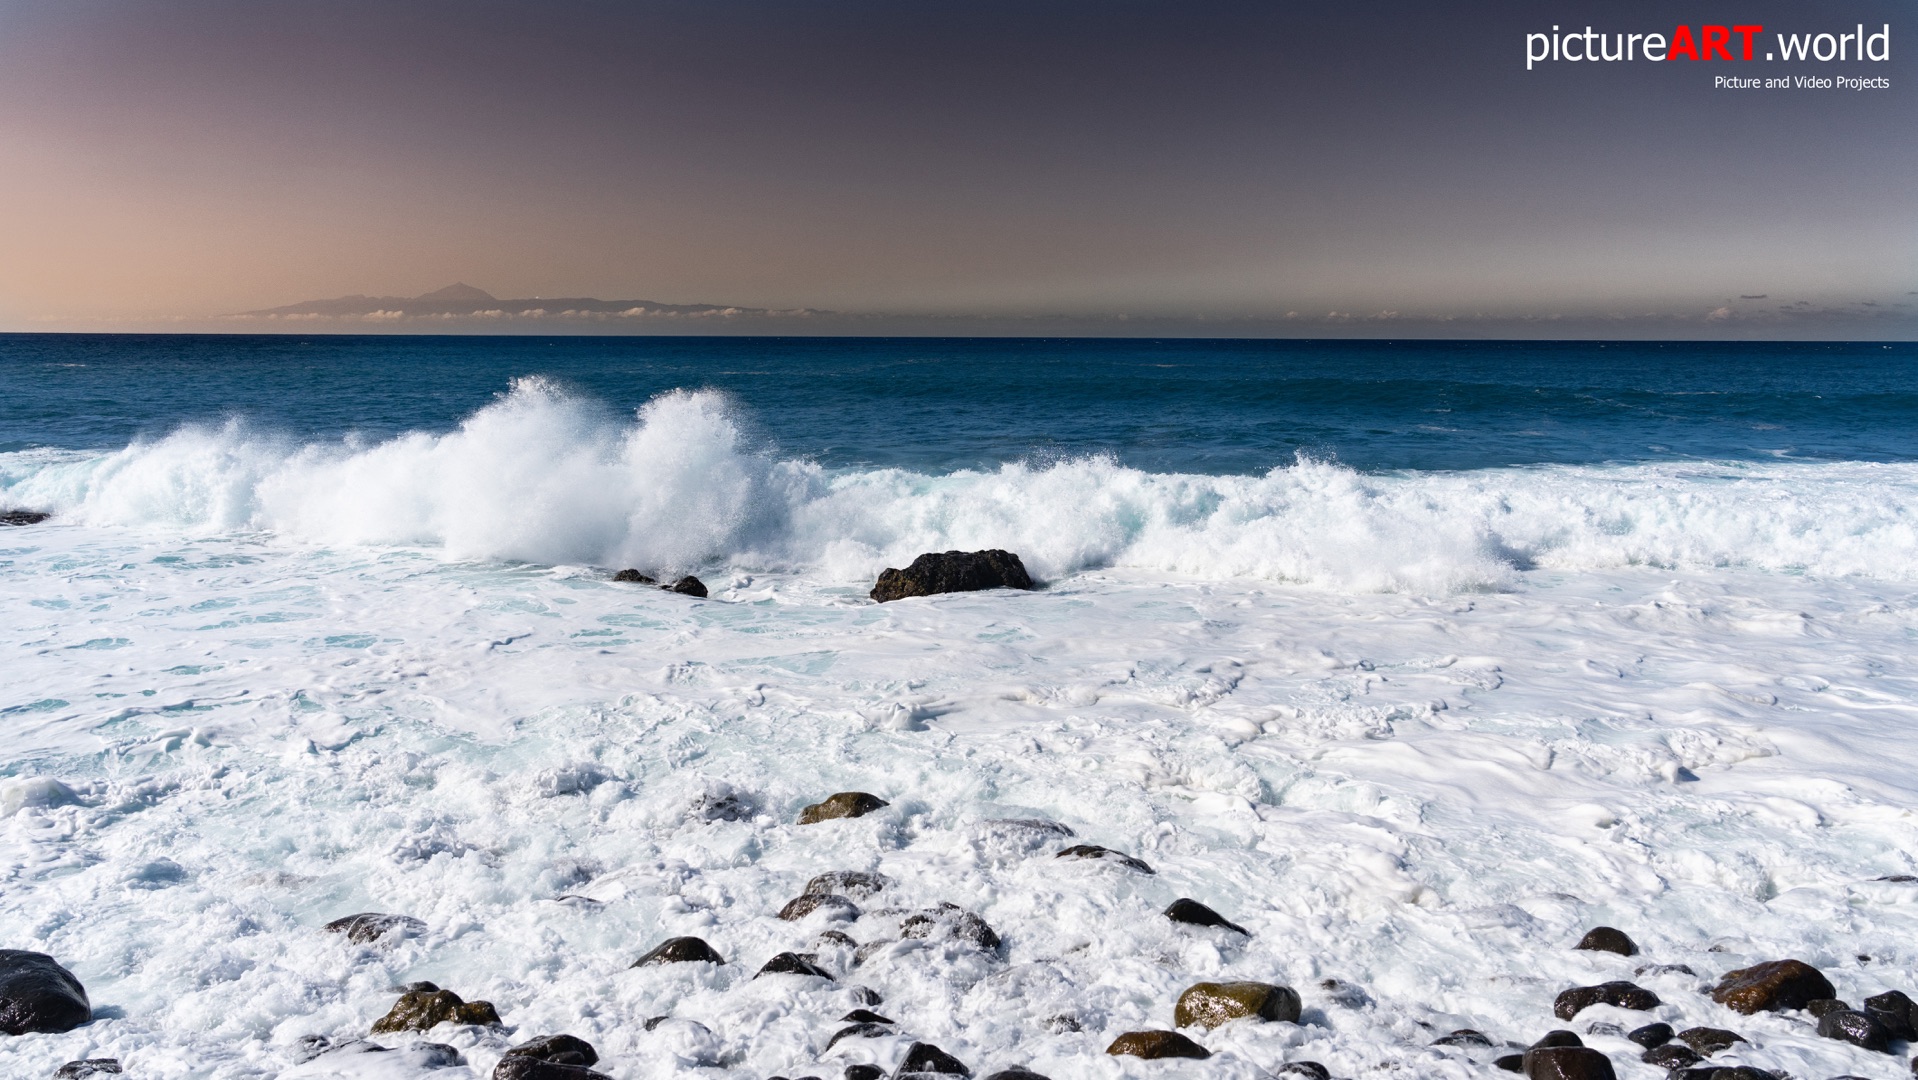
545 477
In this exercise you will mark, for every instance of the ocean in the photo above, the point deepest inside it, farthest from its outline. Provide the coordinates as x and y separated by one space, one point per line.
1417 660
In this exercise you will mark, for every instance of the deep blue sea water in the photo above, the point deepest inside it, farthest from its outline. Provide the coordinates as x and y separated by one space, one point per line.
1219 407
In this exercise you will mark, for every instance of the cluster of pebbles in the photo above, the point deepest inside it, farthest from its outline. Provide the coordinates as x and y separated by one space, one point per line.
1772 986
37 994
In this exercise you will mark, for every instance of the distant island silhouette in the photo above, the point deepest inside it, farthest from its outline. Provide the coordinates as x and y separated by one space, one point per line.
463 301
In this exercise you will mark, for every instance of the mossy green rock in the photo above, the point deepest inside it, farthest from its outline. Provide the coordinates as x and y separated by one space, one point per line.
421 1010
1208 1005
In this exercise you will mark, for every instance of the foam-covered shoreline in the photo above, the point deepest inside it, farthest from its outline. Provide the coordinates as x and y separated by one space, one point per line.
1425 797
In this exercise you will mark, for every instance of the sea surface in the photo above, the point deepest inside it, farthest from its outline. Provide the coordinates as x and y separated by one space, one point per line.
1416 660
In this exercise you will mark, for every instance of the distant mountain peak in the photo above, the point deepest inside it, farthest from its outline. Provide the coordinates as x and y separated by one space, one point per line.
459 291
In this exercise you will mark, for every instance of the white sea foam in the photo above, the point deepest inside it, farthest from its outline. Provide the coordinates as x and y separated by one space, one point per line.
546 478
251 687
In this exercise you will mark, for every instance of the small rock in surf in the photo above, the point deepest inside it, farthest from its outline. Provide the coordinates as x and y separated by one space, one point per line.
1621 994
927 1058
1103 854
846 804
370 926
1607 939
38 995
559 1049
857 884
423 1010
835 907
1194 913
680 950
1771 986
1156 1044
1209 1004
1567 1063
787 963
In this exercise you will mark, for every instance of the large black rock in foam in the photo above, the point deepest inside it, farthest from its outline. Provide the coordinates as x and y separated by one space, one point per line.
37 994
953 571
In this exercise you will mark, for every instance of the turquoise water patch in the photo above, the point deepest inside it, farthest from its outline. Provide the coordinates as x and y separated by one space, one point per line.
349 641
43 705
104 643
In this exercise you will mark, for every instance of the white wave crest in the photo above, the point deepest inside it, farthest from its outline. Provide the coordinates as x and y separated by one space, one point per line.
544 477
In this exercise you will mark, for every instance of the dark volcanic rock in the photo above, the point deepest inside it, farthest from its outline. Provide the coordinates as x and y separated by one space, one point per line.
865 1072
835 937
688 586
529 1068
1157 1044
680 950
952 571
1671 1056
926 1058
950 921
1017 1072
1094 851
863 1016
1821 1006
1463 1037
1197 914
37 994
1561 1037
859 1031
1708 1040
1856 1028
24 517
1898 1013
846 804
857 884
1622 994
787 963
801 906
1209 1004
370 926
1063 1024
558 1049
1651 1035
1606 939
1774 985
1600 1027
1510 1063
1309 1070
81 1070
635 577
1567 1063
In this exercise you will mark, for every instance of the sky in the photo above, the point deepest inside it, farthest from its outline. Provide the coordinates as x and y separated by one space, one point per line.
931 166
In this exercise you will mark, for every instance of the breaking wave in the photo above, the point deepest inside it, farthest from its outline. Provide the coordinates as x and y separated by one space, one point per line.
543 476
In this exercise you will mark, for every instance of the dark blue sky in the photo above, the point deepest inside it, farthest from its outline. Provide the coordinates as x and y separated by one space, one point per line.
1376 167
